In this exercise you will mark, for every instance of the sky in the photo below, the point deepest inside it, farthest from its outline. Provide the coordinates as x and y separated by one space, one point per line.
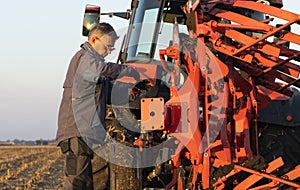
37 41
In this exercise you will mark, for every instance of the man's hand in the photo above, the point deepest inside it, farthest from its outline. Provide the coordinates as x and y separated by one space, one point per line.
135 74
131 72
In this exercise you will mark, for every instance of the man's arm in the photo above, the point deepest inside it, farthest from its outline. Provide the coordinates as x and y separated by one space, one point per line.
112 70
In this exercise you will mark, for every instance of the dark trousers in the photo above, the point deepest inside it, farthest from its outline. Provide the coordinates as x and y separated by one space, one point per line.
82 165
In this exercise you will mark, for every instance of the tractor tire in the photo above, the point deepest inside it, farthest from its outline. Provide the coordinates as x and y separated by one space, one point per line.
280 141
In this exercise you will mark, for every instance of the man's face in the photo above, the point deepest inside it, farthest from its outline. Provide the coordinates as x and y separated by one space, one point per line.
103 45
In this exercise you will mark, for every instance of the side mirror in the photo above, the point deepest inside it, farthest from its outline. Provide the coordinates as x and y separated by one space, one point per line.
90 19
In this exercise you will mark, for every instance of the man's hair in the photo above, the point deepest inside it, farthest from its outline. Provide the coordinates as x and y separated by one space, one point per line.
102 29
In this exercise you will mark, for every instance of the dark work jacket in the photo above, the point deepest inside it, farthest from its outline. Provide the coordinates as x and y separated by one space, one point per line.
83 106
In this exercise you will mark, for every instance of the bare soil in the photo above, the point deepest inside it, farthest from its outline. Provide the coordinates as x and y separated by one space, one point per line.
31 167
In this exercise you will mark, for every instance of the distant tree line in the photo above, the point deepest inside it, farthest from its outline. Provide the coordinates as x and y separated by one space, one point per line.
27 142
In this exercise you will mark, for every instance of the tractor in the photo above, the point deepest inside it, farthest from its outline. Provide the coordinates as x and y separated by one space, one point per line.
218 104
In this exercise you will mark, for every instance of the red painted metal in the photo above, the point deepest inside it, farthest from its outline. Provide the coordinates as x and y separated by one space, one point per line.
247 89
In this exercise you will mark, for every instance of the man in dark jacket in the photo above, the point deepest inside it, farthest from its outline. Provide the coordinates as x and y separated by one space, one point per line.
81 120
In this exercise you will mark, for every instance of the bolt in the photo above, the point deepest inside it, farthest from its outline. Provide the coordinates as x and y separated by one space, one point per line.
152 114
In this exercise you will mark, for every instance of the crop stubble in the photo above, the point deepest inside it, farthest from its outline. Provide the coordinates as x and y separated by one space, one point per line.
31 167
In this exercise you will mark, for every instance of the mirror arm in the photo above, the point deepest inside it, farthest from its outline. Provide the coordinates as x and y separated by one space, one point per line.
124 15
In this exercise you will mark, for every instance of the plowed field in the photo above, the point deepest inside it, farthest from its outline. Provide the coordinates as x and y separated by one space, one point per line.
31 167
